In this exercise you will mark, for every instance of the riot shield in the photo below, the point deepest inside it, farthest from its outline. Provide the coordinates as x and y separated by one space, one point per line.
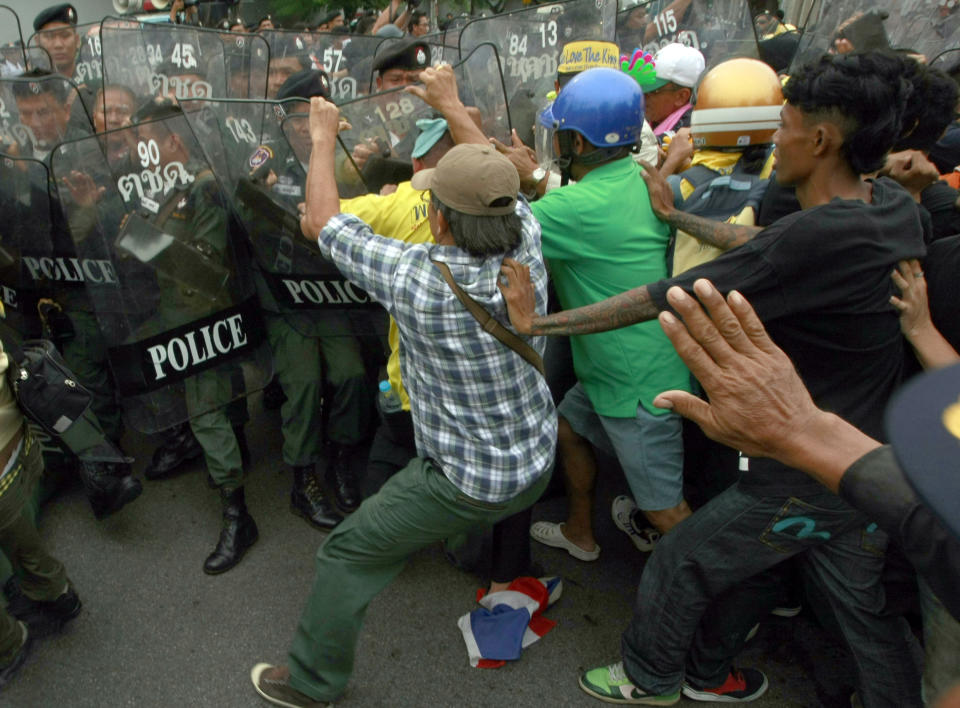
15 56
74 52
928 27
440 52
720 29
174 298
528 43
260 171
178 61
386 121
26 241
347 59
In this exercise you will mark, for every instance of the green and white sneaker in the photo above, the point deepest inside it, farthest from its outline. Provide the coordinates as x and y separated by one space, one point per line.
610 684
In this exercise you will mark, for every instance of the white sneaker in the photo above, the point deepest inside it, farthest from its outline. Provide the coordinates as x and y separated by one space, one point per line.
622 510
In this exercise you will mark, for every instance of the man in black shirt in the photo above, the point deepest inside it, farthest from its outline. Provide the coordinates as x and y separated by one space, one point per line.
820 281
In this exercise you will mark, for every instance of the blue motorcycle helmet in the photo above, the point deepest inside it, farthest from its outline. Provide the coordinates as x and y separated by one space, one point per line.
604 105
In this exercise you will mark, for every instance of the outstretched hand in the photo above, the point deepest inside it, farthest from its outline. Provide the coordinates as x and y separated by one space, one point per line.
519 294
757 400
661 194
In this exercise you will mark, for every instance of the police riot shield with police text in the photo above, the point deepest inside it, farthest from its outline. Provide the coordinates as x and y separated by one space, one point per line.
927 27
179 61
176 306
260 171
36 114
27 256
376 149
347 59
528 43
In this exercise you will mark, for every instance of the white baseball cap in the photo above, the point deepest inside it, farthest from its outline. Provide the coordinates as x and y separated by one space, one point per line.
679 64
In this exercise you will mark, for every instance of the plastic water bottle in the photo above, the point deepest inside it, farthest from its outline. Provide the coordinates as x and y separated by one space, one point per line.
388 400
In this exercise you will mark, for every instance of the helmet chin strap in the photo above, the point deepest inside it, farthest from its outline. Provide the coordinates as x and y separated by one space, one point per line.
568 157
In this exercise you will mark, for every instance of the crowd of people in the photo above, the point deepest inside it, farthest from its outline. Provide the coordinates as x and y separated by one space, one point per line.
717 271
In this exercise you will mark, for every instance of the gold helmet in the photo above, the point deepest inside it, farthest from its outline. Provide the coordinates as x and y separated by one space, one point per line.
738 105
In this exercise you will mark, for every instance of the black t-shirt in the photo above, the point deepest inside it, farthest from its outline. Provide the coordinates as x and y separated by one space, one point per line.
940 200
819 280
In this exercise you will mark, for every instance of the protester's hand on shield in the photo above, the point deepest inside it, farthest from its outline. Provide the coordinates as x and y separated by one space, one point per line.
439 90
757 400
324 120
83 189
661 194
517 289
522 157
363 150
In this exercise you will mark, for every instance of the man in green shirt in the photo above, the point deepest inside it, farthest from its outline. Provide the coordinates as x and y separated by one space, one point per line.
599 235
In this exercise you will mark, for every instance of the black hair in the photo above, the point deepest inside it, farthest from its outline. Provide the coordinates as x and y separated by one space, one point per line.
415 19
481 235
931 108
40 81
365 24
865 95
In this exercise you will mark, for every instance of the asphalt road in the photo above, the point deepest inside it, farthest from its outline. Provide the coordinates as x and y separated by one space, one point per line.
156 631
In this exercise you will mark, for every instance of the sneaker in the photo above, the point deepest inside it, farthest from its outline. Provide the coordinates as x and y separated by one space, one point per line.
46 618
741 686
610 684
8 670
273 683
623 511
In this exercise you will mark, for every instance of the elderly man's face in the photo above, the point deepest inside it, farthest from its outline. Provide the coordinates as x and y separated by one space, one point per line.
119 108
61 42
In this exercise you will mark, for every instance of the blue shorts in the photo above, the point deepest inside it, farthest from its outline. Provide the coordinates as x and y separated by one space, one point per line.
649 448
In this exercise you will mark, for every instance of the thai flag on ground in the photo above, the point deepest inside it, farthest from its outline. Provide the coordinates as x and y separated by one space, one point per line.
508 621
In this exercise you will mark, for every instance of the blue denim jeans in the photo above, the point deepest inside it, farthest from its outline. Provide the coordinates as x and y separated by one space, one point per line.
689 587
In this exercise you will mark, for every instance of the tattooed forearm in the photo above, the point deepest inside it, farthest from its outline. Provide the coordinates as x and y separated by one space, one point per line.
713 233
613 313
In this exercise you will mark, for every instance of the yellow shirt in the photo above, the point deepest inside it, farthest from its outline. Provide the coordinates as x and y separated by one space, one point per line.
403 216
688 252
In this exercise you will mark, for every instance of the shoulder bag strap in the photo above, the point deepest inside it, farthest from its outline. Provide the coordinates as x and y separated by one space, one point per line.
490 323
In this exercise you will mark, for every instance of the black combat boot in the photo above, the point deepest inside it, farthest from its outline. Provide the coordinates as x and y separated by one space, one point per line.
342 476
308 500
238 534
109 486
179 446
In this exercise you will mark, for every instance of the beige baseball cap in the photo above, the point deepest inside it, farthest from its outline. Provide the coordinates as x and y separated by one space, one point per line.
473 179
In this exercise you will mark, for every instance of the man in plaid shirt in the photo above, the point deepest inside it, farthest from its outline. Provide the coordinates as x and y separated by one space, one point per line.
483 416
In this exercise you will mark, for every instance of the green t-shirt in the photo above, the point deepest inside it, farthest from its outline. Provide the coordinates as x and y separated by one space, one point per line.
600 238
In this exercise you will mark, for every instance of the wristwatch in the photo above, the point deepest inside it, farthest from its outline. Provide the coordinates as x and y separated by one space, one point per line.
538 174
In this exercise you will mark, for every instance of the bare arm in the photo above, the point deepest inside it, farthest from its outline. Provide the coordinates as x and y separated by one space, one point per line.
384 17
720 234
618 311
714 233
322 199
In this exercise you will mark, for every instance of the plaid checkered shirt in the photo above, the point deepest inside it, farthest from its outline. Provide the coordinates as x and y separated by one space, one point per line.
481 412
